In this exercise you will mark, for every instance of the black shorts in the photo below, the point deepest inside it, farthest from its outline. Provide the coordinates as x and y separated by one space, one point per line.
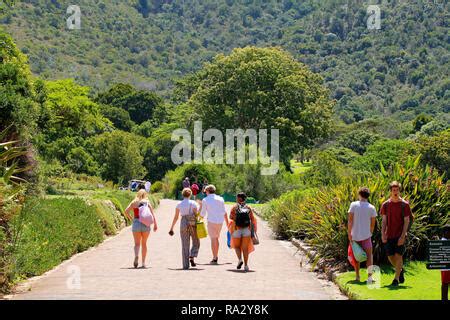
392 248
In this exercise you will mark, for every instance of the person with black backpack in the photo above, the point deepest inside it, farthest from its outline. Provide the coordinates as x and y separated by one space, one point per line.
397 219
242 225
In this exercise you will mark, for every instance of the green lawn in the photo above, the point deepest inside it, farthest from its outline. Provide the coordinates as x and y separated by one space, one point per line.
420 284
298 167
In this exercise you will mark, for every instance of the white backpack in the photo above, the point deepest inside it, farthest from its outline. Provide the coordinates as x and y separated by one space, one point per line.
145 215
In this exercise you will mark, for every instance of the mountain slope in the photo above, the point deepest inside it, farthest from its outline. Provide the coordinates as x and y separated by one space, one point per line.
402 68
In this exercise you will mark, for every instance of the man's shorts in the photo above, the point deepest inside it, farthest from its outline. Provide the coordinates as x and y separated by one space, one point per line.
241 233
214 230
445 276
365 244
392 248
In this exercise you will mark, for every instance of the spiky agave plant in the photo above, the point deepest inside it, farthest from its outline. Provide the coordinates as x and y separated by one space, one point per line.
321 217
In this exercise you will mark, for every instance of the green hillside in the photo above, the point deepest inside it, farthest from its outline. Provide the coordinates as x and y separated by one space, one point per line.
402 68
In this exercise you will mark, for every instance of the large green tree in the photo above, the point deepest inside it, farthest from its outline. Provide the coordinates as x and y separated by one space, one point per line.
17 95
142 105
263 88
120 155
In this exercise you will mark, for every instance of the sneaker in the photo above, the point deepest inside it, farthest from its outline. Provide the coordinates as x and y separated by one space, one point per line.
401 278
394 283
214 261
370 281
193 264
135 263
239 265
246 268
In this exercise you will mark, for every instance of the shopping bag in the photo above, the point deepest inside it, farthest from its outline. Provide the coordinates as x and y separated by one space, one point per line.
358 252
201 230
351 256
229 239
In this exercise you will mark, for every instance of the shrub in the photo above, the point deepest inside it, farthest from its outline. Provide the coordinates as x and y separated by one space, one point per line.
110 219
156 187
386 152
52 230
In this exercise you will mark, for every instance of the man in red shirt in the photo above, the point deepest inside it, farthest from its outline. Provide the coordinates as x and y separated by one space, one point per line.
396 214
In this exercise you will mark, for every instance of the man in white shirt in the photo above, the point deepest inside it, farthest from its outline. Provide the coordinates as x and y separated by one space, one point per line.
214 206
361 222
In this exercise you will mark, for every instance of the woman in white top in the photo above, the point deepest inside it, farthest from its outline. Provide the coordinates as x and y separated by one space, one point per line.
188 228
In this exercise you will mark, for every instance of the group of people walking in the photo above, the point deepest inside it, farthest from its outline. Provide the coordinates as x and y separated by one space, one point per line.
396 218
197 188
241 224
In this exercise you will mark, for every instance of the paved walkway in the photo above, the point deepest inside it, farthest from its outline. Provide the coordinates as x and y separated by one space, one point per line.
106 273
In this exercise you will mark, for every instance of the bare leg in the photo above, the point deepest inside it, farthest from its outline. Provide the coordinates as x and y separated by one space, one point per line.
215 247
398 265
369 262
357 267
238 251
244 246
137 243
145 236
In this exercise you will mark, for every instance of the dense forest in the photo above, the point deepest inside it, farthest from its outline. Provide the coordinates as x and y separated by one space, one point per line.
98 106
401 68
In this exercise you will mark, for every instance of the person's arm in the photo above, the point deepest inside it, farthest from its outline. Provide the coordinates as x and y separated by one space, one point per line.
384 229
383 224
373 221
131 206
195 209
225 213
233 213
203 209
253 219
155 224
175 219
402 238
350 226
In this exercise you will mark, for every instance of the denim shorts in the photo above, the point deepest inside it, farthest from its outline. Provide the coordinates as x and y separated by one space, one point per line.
241 233
138 226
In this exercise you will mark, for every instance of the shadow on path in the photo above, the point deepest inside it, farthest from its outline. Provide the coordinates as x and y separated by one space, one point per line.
181 269
240 271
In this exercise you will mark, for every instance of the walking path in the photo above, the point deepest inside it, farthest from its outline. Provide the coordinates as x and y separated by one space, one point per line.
106 271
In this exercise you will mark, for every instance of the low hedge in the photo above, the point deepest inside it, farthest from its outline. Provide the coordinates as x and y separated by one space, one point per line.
52 230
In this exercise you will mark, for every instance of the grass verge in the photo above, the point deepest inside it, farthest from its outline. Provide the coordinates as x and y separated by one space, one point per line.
420 284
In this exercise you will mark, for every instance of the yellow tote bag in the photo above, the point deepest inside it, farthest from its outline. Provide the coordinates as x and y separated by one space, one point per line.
201 229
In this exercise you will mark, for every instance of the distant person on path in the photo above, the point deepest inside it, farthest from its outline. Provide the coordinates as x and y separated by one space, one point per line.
396 216
445 274
188 211
195 189
141 232
148 185
214 207
186 183
361 223
242 218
